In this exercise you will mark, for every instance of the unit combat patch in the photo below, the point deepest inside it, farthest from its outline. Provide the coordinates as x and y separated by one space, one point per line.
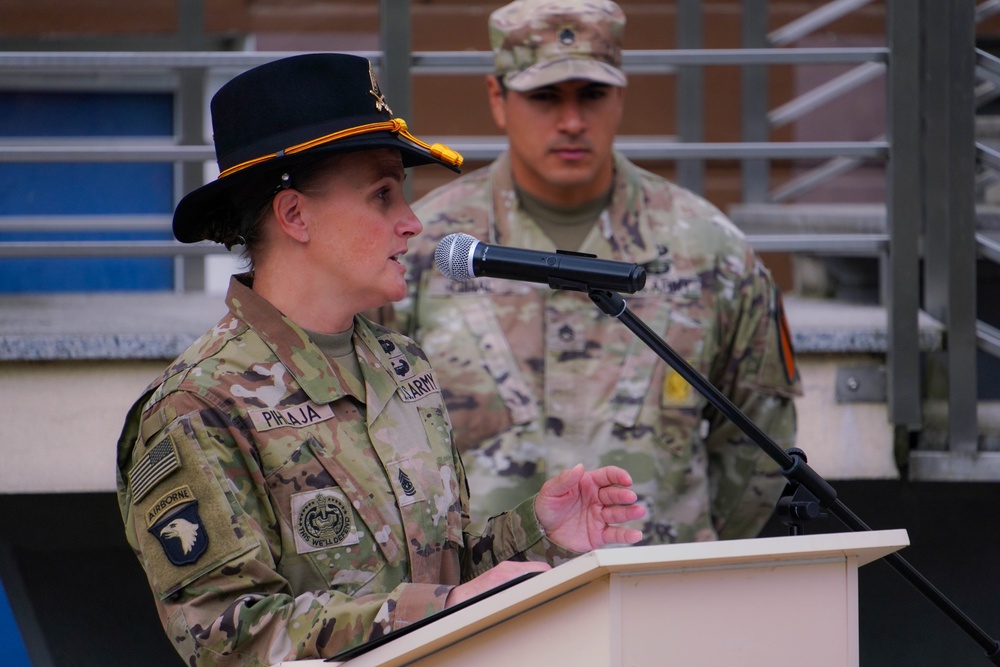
785 341
322 519
180 530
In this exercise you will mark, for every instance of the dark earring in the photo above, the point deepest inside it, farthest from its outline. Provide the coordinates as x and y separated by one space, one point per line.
286 181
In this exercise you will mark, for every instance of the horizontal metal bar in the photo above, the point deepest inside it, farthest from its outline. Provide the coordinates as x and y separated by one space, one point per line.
834 243
854 244
487 147
149 60
473 148
107 153
178 41
451 62
35 249
666 148
775 150
97 223
424 62
481 62
144 81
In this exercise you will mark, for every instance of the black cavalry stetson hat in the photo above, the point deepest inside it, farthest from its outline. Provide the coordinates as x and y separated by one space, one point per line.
275 115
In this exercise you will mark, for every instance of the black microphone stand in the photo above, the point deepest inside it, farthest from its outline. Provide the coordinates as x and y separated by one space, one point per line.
807 493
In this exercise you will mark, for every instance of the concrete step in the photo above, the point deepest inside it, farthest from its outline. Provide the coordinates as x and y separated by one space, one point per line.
95 353
833 217
160 325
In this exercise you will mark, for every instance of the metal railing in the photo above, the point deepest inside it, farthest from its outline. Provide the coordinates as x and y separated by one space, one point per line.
926 150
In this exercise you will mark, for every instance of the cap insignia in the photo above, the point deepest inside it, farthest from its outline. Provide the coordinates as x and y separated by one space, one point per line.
380 103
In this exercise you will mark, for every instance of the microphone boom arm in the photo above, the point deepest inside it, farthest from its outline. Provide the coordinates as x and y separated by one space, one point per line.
793 464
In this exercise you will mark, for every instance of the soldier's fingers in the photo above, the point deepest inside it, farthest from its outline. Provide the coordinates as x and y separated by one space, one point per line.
616 495
611 476
619 535
612 514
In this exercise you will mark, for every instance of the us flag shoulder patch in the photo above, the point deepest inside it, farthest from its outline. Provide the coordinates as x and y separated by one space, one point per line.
157 463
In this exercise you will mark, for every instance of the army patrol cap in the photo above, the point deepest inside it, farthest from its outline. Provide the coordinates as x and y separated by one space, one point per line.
279 114
541 42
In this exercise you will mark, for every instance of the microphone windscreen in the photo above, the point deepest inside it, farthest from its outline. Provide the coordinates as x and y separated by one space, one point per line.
452 256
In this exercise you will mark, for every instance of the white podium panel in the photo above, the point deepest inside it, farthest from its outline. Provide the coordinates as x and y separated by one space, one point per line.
769 602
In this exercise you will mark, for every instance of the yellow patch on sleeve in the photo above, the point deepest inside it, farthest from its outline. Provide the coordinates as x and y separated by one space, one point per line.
676 389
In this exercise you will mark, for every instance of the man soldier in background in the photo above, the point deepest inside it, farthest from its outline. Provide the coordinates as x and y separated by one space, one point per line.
538 379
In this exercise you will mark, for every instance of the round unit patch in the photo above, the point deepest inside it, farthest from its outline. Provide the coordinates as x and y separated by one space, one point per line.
322 519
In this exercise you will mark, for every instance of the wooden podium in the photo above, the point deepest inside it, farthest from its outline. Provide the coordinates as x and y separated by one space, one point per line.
768 602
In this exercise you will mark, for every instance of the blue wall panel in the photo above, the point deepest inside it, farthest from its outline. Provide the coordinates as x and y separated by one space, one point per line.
12 650
53 189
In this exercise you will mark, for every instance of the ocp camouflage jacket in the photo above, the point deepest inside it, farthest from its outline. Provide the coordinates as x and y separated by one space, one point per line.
283 510
537 379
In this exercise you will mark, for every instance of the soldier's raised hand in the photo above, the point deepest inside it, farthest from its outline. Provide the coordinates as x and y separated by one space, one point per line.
579 509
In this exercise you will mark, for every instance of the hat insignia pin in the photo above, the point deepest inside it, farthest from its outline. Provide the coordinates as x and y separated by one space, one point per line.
380 103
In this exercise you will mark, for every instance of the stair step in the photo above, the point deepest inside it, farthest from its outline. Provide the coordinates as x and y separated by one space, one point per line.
825 326
832 218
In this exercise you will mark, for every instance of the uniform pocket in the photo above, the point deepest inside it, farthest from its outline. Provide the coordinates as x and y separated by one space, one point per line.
446 499
677 404
320 528
484 389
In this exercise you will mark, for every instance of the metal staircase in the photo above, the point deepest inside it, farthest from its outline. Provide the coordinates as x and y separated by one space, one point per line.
925 237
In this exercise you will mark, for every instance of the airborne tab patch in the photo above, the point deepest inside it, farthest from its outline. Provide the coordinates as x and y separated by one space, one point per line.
168 502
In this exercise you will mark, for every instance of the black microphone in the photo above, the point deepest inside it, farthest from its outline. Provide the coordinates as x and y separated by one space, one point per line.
462 257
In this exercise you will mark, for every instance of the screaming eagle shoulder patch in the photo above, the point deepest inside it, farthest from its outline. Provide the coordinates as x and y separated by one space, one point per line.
176 524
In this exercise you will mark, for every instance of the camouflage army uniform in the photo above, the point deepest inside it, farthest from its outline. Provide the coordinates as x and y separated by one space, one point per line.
283 510
537 380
